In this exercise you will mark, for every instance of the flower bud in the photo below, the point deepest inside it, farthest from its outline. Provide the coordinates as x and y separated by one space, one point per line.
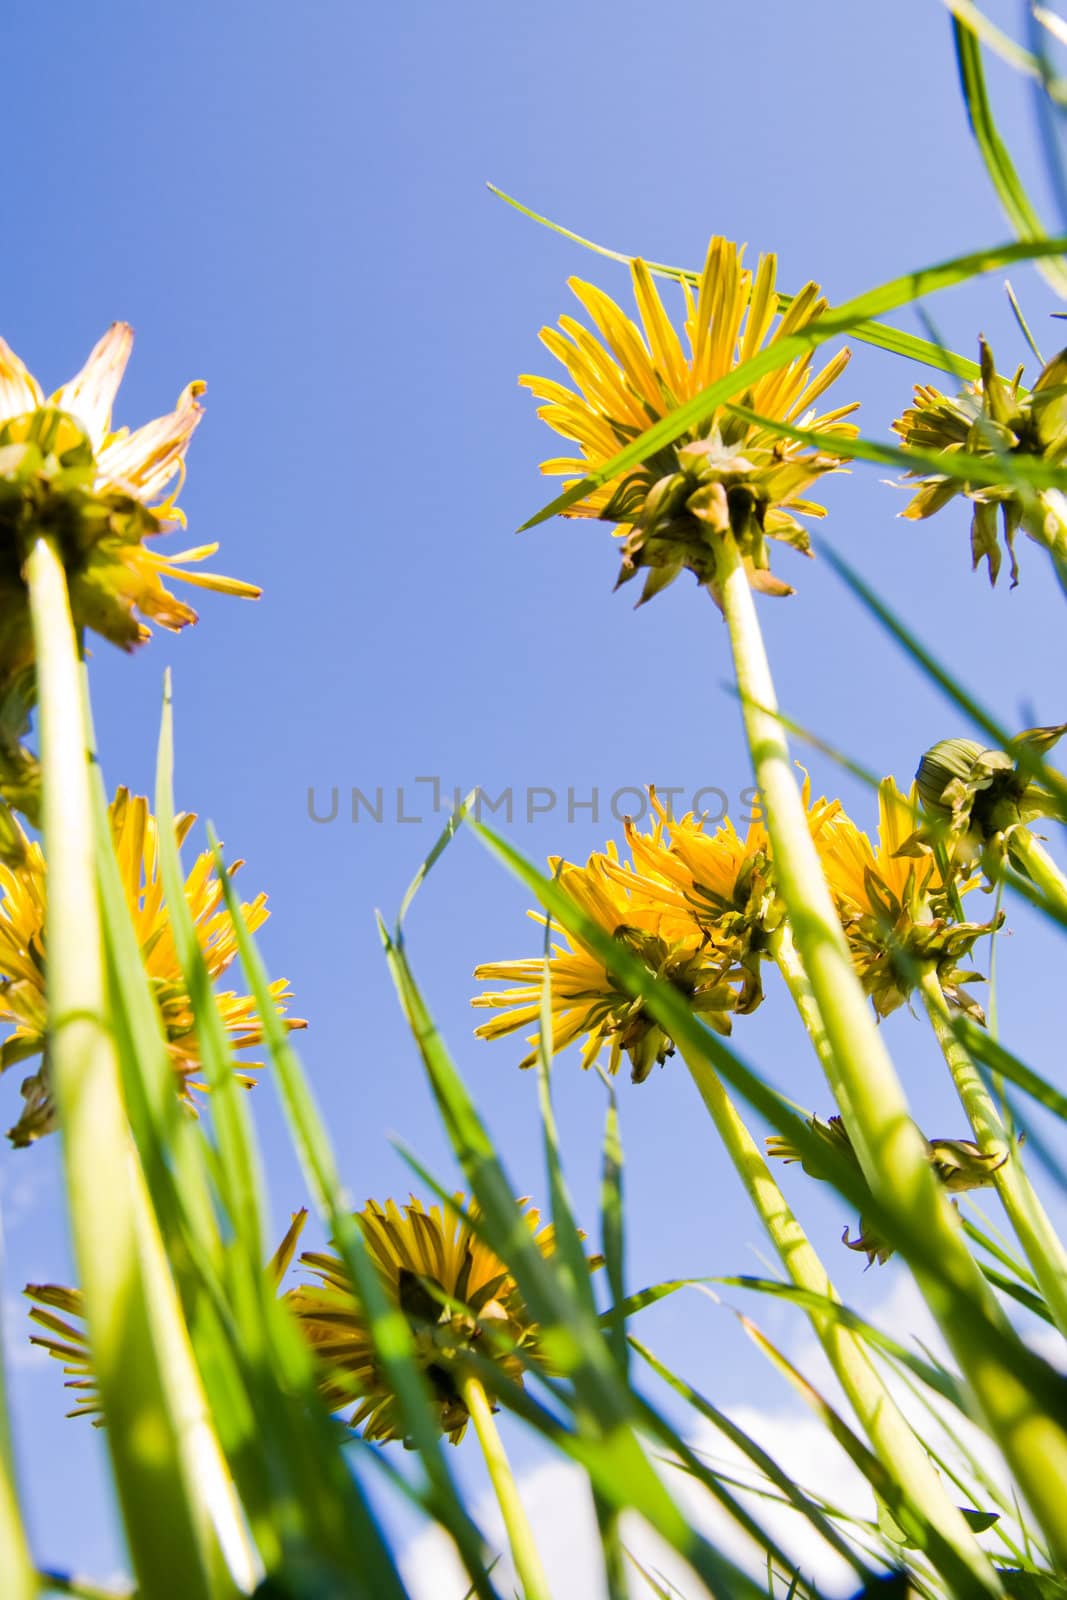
947 763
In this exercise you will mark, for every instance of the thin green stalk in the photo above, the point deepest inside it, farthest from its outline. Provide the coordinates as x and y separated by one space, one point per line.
1040 1242
530 1572
865 1084
891 1437
1032 856
176 1498
18 1577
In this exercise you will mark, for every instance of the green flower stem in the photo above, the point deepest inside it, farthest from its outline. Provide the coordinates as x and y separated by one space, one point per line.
524 1552
783 951
1041 1244
18 1577
892 1438
891 1151
175 1494
1039 866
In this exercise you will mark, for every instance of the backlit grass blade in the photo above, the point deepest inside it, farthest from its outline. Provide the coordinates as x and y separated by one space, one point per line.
934 1376
569 1250
998 163
760 1459
145 1370
393 1341
612 1228
18 1577
999 736
1025 472
315 1500
172 1150
886 1489
880 334
607 1445
1001 43
684 1458
628 1307
238 1168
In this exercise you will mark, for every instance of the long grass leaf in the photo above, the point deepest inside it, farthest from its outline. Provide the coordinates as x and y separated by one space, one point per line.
880 334
998 163
390 1331
607 1444
760 1459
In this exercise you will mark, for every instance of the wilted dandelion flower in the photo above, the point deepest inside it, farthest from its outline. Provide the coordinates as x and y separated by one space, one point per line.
727 474
100 493
66 1341
958 1164
991 418
23 955
894 906
586 1001
455 1292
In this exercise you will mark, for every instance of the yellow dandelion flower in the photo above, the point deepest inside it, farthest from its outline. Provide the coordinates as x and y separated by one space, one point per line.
728 474
455 1292
990 418
894 906
585 999
101 491
722 880
23 957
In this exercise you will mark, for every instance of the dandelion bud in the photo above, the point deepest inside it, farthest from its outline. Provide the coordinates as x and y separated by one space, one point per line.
950 761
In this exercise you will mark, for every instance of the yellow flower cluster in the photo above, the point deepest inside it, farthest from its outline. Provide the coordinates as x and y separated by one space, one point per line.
698 908
23 956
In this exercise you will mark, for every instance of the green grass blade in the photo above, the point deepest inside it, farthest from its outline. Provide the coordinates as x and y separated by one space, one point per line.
880 334
759 1457
933 669
606 1445
623 1309
18 1577
1007 1065
392 1336
163 1448
568 1241
238 1168
313 1499
998 163
612 1230
886 1489
1022 471
934 1376
1001 43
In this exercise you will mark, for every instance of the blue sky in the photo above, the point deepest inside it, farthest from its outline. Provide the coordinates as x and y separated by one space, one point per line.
291 204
